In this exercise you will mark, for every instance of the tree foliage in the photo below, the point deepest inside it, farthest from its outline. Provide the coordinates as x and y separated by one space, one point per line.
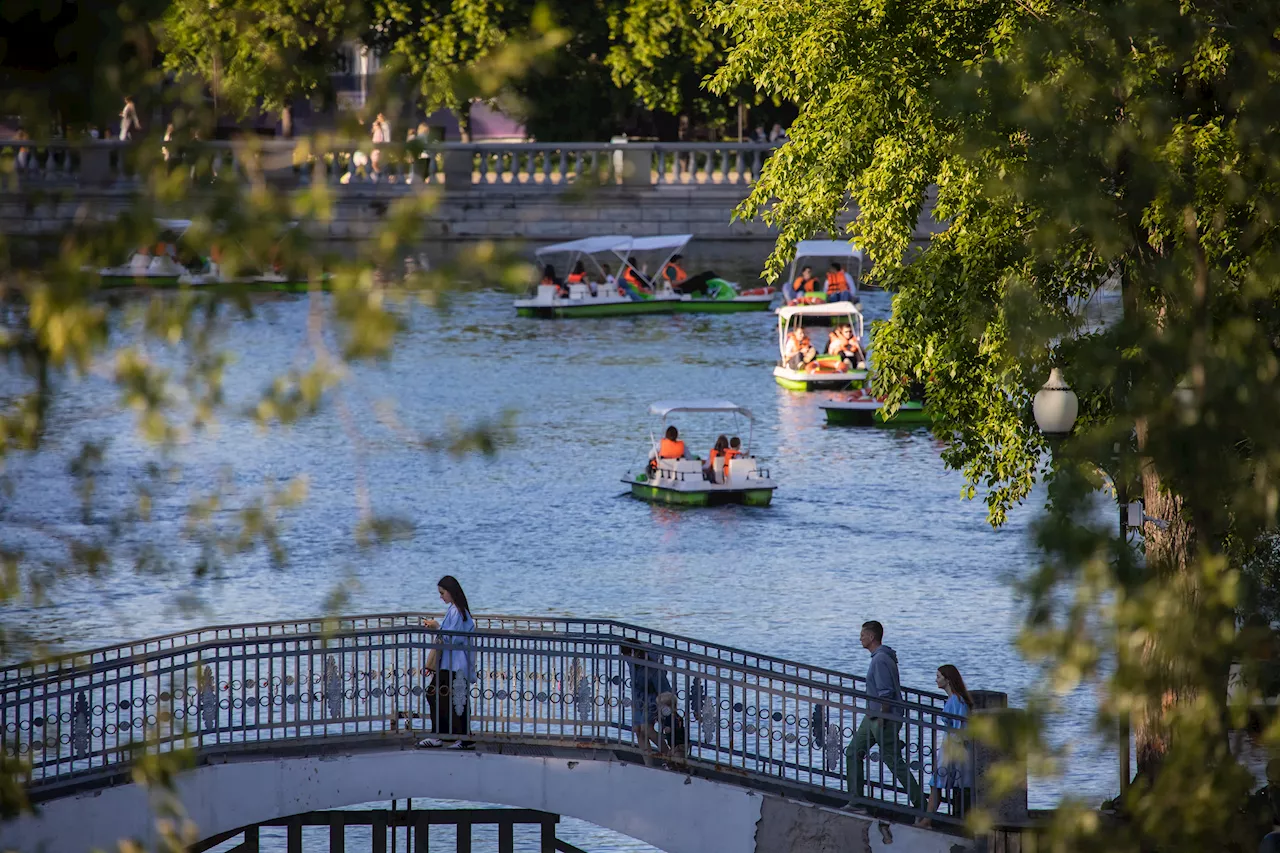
257 53
1072 148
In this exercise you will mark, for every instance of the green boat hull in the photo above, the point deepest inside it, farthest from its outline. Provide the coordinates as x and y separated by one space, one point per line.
904 417
612 309
114 282
746 497
826 384
720 306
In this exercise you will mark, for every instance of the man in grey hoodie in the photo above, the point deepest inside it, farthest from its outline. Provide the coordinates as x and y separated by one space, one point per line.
883 720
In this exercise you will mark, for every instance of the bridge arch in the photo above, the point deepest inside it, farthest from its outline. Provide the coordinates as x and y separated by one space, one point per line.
675 812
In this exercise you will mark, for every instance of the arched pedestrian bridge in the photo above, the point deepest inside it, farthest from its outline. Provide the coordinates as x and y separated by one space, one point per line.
291 717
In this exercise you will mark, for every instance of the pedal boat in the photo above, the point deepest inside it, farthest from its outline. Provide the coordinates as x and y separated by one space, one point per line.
863 410
827 250
824 373
147 269
681 482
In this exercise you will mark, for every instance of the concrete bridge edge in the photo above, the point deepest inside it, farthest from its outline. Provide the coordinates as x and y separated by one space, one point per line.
672 811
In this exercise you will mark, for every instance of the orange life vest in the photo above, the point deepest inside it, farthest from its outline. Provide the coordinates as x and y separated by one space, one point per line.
670 449
546 279
730 454
800 283
631 277
836 283
674 272
577 277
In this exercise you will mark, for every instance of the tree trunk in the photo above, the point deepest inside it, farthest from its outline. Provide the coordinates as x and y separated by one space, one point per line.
286 121
1168 554
464 121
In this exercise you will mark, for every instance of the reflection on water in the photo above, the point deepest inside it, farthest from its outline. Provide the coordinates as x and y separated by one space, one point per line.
866 524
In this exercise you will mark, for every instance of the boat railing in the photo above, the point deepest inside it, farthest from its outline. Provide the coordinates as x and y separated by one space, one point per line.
545 680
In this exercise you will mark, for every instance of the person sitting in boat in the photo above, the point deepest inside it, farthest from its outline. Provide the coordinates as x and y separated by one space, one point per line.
839 285
716 455
579 274
671 447
609 280
798 350
844 344
804 284
674 273
731 452
633 281
549 278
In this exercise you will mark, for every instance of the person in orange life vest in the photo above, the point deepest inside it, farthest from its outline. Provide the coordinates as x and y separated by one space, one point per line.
839 285
671 447
549 277
798 351
673 272
716 455
578 276
631 275
844 344
730 453
804 283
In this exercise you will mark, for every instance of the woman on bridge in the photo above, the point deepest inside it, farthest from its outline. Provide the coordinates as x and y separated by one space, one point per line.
448 692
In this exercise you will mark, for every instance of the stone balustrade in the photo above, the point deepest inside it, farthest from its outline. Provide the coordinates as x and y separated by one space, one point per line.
534 165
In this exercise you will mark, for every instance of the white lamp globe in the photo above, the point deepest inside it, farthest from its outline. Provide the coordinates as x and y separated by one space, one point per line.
1055 405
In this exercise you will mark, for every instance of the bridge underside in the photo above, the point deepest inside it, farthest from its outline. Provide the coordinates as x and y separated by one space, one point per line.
695 809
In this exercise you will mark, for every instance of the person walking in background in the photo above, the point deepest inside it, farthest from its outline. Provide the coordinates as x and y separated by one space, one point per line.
883 721
448 692
129 124
648 682
379 134
955 778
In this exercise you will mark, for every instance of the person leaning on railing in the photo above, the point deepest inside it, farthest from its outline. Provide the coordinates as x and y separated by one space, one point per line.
882 724
455 670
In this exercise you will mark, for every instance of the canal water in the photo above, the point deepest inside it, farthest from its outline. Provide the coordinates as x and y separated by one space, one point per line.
866 524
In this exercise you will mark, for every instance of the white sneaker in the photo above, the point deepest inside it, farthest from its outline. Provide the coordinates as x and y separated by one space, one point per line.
457 744
430 743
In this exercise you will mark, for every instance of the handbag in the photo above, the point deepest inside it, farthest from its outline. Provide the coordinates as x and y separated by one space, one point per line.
433 660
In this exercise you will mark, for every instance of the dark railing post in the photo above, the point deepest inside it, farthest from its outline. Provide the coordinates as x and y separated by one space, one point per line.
548 844
1012 807
637 165
457 168
337 834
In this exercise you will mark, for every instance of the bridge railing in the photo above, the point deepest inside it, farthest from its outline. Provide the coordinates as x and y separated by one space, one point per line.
539 680
390 167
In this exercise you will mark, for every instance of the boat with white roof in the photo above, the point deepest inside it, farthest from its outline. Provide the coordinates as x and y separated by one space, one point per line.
673 476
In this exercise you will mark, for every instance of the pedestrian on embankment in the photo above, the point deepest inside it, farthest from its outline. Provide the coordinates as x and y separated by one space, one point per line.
450 688
882 723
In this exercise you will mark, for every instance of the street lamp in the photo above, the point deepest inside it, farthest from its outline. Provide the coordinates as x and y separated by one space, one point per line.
1055 406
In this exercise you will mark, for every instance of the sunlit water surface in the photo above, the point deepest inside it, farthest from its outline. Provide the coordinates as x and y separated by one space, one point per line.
866 524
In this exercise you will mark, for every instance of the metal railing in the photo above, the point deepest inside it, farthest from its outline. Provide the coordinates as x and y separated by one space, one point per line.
392 165
540 680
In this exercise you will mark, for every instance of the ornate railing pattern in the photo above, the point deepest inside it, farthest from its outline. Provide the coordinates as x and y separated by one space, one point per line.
540 680
392 165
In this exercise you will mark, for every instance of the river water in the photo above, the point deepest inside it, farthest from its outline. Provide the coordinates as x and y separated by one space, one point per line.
866 524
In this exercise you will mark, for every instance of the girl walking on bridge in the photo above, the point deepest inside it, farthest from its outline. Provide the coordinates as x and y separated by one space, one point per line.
447 694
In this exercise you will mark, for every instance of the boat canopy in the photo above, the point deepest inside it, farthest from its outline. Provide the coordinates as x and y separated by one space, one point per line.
666 407
827 249
667 241
588 245
825 309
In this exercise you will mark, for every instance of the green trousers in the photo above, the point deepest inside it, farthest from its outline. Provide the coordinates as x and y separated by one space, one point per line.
883 733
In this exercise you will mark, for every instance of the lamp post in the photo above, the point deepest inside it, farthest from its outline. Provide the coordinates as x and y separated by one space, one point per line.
1055 407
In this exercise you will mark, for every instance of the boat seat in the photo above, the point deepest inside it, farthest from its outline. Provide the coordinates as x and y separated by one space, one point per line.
547 292
679 469
579 291
740 468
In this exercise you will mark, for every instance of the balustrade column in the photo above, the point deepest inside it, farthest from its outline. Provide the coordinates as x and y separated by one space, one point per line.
457 168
